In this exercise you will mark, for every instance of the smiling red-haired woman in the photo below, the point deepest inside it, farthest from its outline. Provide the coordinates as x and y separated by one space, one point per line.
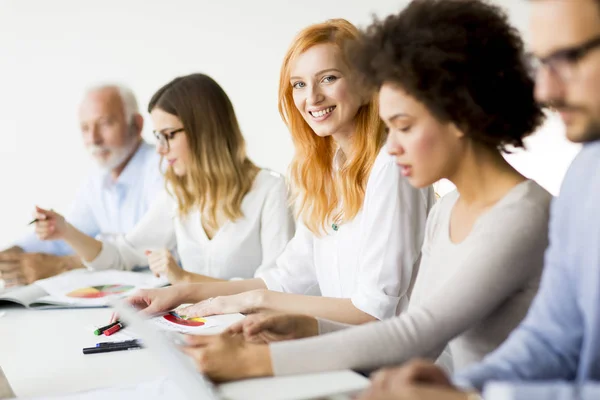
360 223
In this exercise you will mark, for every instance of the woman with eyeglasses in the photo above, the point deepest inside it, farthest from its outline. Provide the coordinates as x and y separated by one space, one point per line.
226 217
361 224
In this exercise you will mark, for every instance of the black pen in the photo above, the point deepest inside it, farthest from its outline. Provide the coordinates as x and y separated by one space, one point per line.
123 343
37 219
108 349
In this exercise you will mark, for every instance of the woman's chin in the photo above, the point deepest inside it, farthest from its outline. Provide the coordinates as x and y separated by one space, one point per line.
179 171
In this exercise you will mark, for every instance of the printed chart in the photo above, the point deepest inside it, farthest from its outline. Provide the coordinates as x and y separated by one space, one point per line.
97 292
181 320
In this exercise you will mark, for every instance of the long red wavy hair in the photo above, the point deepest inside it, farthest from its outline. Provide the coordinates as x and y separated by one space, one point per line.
318 190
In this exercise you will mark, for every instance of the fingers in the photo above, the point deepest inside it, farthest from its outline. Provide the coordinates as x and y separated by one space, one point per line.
13 278
7 266
200 357
381 379
201 309
42 213
200 340
138 300
10 257
44 229
423 371
157 269
260 323
236 328
378 394
414 372
11 274
11 271
158 261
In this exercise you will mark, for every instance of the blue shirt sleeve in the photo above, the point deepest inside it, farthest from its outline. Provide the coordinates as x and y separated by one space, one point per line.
556 390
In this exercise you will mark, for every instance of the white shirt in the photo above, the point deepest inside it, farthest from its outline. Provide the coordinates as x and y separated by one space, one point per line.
238 249
372 259
106 207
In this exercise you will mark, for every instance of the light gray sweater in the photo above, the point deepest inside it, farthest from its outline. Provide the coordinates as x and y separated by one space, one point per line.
469 295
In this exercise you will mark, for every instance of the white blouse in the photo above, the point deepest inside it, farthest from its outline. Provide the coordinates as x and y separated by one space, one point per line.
239 249
372 259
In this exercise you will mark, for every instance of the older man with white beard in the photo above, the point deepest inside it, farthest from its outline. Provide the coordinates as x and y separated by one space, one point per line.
111 200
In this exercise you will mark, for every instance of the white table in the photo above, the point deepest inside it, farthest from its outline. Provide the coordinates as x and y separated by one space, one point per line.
40 352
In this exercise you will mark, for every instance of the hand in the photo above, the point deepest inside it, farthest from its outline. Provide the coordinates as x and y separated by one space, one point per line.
414 372
18 268
163 263
269 327
246 302
155 301
412 392
225 357
50 225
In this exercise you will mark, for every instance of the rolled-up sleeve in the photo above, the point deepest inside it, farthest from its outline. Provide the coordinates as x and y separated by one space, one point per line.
154 231
392 232
294 271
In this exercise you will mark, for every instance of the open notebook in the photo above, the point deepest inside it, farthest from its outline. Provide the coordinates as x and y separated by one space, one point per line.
80 289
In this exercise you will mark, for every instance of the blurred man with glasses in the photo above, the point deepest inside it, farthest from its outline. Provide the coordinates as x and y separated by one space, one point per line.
112 199
559 340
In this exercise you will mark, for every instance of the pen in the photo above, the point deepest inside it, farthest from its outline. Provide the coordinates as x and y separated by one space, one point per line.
37 219
108 349
101 330
114 329
123 343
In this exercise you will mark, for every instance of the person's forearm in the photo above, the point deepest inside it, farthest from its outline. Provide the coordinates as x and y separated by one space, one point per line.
334 309
47 265
196 292
69 263
85 246
190 277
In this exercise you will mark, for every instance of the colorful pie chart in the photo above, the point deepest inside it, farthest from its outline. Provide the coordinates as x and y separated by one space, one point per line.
185 321
96 292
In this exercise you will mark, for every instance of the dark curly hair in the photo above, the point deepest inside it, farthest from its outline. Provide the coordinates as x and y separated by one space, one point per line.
462 60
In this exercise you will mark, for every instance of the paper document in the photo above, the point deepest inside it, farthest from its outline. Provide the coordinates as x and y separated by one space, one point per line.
174 322
80 288
95 288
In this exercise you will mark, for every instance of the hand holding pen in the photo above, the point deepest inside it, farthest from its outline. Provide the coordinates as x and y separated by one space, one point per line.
49 225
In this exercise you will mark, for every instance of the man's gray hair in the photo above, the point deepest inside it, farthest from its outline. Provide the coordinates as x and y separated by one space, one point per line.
130 104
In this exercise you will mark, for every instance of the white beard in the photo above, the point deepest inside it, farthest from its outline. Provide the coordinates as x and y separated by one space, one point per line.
117 155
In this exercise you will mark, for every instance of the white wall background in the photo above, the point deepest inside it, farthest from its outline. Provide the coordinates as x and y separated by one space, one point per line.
51 50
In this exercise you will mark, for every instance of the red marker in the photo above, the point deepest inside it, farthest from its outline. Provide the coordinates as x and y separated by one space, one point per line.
114 329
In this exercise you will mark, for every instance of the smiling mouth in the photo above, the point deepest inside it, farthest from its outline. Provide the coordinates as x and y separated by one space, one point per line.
322 113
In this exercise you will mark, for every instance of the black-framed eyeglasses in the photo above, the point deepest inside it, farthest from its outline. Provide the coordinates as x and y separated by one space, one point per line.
163 138
563 63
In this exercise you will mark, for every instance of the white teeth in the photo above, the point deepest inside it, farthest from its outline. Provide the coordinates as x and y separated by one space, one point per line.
321 113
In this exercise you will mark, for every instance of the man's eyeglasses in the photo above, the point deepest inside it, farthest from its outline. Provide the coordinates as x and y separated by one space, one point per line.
563 63
163 138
